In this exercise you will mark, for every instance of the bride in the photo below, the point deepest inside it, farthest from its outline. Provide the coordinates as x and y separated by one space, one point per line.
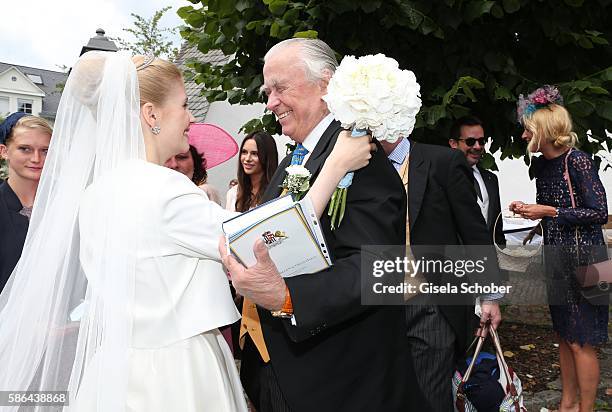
119 291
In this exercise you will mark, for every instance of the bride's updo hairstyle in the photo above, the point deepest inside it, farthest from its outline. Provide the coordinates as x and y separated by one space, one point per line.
156 78
553 124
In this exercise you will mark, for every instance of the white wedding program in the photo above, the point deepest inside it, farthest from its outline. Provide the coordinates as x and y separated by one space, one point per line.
290 230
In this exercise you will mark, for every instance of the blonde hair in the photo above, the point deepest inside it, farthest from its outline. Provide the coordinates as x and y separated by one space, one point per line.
29 122
155 79
553 124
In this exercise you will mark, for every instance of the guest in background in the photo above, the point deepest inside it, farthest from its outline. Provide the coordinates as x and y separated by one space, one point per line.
468 136
257 163
193 165
572 211
24 141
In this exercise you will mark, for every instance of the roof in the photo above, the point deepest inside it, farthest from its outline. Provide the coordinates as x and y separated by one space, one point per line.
50 81
198 105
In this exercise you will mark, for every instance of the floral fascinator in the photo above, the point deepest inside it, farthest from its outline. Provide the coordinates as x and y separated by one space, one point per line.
537 99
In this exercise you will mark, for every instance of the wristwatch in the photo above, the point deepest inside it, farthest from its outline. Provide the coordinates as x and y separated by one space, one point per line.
287 310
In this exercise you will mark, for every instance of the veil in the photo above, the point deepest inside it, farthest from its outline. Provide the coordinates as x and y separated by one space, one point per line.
62 324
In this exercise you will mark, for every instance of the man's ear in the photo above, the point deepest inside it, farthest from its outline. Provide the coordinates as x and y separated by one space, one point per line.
327 75
453 143
148 113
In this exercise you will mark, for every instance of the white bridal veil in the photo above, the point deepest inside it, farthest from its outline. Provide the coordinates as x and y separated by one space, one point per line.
45 344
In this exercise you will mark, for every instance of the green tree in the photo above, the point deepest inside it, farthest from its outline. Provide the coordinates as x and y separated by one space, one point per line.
468 55
149 37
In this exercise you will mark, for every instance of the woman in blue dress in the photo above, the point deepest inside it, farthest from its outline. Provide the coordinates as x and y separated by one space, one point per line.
572 236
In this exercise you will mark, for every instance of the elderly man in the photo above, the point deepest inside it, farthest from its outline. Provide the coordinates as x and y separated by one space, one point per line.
320 349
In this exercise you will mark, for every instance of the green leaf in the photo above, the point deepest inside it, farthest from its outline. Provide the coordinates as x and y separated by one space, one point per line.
607 74
195 19
477 8
605 110
580 84
593 32
184 11
501 93
488 162
599 40
428 26
597 90
511 6
581 109
308 34
278 7
435 113
497 11
585 43
274 29
291 15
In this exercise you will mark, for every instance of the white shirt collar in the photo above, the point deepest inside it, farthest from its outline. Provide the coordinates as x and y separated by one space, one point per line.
315 134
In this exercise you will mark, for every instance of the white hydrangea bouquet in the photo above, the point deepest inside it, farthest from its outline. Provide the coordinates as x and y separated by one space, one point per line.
297 181
371 94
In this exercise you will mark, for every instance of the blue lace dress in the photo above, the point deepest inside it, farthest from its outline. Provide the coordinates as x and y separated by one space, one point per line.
573 238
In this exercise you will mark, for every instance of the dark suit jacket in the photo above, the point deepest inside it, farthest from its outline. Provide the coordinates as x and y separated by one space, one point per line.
492 186
443 210
13 230
343 356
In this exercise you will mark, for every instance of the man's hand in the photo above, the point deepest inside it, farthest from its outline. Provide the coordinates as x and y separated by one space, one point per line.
261 282
490 313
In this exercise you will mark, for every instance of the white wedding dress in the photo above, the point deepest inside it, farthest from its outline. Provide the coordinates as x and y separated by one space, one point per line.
178 360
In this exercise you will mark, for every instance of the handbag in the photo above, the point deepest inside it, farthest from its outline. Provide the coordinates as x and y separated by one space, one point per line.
597 276
508 380
516 258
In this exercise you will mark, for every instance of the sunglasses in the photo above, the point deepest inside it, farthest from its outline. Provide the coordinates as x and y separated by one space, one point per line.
471 141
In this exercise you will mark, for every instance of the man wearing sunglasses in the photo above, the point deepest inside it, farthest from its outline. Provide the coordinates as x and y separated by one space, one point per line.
467 135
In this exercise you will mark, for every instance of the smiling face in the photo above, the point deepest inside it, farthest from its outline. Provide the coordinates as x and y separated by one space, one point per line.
294 98
174 120
475 134
26 153
249 158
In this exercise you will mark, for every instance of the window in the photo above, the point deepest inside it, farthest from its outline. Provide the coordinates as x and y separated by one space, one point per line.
4 106
24 105
35 78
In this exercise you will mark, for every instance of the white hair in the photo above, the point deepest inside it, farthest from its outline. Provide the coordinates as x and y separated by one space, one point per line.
317 58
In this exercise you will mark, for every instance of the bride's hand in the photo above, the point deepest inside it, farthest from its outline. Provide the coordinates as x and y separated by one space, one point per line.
351 153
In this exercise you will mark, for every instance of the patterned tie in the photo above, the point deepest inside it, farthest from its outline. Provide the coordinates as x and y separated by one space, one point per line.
298 154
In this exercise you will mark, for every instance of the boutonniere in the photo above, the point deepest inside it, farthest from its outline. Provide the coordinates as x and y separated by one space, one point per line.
297 181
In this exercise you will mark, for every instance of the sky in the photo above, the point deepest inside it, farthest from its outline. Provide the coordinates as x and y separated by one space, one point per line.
49 33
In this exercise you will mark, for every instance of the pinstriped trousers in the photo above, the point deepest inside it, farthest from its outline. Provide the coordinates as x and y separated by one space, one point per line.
432 349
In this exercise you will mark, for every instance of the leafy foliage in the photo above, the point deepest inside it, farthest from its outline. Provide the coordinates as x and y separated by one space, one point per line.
468 55
149 37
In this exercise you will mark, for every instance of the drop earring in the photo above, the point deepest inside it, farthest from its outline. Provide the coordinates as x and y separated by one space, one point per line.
155 130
